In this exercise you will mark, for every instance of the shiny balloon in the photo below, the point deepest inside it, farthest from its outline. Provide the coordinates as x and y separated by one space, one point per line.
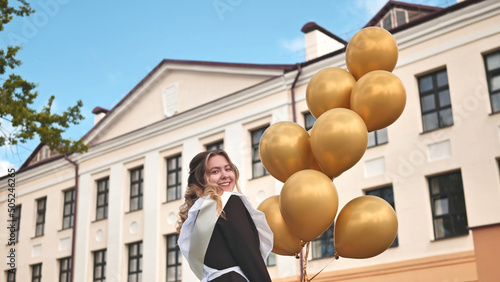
285 149
328 89
308 203
314 164
365 227
338 140
379 97
372 48
285 242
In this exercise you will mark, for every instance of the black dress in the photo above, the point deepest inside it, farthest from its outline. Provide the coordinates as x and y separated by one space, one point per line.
235 242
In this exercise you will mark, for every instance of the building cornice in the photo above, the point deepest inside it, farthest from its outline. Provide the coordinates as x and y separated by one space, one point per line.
446 23
50 168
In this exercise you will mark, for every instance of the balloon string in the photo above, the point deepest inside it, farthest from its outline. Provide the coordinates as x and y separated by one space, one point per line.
335 257
305 279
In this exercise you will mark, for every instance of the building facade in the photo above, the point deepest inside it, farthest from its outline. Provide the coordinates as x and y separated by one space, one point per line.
110 214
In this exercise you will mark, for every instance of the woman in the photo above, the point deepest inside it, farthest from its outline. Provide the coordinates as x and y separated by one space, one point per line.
221 235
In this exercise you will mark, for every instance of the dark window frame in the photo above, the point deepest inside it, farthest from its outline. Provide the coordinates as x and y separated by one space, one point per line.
377 137
309 121
176 171
326 244
104 193
99 265
11 275
140 185
64 269
438 110
256 161
177 263
36 272
215 145
40 216
383 193
490 74
453 199
17 219
135 260
68 209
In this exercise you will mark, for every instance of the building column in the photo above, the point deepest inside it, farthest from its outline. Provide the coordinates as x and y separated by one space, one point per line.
114 251
151 240
82 229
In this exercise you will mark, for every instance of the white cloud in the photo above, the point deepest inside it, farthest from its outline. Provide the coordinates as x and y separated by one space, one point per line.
293 45
4 166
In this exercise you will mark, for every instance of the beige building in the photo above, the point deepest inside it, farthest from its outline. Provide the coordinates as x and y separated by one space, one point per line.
109 214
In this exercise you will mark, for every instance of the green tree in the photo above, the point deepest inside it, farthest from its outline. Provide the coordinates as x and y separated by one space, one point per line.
18 95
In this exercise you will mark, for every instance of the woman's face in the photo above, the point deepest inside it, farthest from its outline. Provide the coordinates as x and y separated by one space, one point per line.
221 173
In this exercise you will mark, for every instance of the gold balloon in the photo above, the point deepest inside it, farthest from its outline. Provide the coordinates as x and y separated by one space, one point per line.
372 48
328 89
365 227
308 203
285 242
285 149
338 140
314 164
379 97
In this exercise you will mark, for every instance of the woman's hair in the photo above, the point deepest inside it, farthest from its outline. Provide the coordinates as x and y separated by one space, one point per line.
199 186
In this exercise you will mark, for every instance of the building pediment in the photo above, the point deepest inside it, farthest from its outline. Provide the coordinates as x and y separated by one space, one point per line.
173 87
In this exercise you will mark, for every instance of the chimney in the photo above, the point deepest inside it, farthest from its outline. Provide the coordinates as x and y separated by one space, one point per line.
100 113
320 41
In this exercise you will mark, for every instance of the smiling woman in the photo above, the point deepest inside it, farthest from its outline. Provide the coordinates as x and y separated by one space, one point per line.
221 173
222 236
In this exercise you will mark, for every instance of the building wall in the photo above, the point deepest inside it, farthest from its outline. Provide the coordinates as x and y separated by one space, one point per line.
455 41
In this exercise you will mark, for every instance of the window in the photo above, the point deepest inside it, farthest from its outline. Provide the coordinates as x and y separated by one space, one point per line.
100 266
174 169
40 217
492 65
309 121
17 221
393 19
387 21
435 101
36 273
135 262
215 146
69 209
448 205
11 275
64 269
174 269
271 259
102 199
136 181
400 17
377 137
386 193
258 169
322 247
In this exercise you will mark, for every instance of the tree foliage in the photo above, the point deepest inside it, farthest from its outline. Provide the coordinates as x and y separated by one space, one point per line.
18 95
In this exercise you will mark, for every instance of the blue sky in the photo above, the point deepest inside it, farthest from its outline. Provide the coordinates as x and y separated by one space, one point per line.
97 51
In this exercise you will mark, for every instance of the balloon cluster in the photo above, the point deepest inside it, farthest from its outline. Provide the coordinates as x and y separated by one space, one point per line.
347 105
